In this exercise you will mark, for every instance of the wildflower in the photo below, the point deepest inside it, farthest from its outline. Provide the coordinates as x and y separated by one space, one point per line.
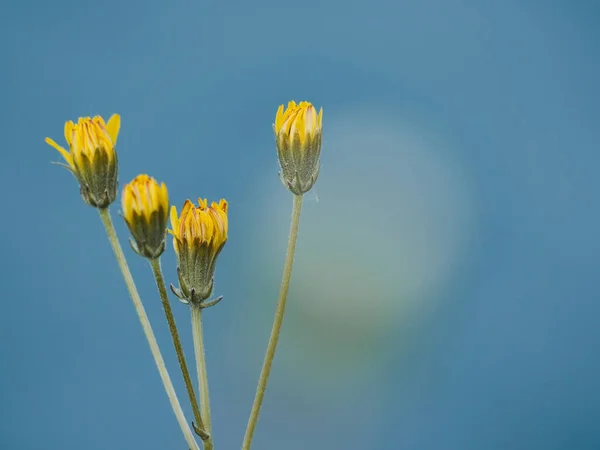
145 210
298 136
199 234
92 157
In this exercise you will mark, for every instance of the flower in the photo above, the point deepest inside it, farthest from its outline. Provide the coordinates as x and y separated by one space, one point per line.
92 157
145 210
199 235
298 136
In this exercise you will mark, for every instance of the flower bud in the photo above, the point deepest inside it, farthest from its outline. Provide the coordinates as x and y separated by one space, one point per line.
199 235
92 157
145 210
298 137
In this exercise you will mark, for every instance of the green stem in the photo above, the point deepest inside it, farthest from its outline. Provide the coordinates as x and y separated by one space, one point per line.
201 367
139 308
279 312
160 283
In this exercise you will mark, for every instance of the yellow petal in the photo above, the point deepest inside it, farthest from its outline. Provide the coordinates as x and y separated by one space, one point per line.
310 120
187 207
298 125
113 127
174 221
69 128
65 154
98 119
279 119
164 196
128 203
220 221
202 204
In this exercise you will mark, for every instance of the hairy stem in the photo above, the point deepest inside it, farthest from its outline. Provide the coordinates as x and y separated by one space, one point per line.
201 367
139 308
279 312
160 283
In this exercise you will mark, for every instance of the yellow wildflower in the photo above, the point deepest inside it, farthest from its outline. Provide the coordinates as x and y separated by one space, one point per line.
92 158
199 235
298 136
145 210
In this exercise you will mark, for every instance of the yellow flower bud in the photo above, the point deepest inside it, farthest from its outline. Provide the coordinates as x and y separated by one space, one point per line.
145 210
199 235
298 136
92 157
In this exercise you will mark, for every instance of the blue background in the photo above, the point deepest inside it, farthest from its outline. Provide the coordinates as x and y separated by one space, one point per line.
445 293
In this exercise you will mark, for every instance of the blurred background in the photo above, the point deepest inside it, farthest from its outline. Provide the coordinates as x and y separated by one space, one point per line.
445 293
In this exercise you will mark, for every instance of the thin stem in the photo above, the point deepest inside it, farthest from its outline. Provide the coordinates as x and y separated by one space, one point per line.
160 283
139 308
279 312
201 367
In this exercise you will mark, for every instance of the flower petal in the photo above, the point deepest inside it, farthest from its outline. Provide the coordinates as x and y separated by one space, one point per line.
112 127
65 154
69 128
279 119
174 222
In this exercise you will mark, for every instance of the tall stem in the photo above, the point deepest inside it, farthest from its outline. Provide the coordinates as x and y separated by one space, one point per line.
202 375
160 283
139 308
279 312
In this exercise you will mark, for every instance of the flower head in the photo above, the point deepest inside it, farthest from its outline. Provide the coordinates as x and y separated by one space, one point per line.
145 210
199 235
92 158
298 136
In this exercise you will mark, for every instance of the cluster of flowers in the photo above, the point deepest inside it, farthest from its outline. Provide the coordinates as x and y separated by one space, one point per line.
199 232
